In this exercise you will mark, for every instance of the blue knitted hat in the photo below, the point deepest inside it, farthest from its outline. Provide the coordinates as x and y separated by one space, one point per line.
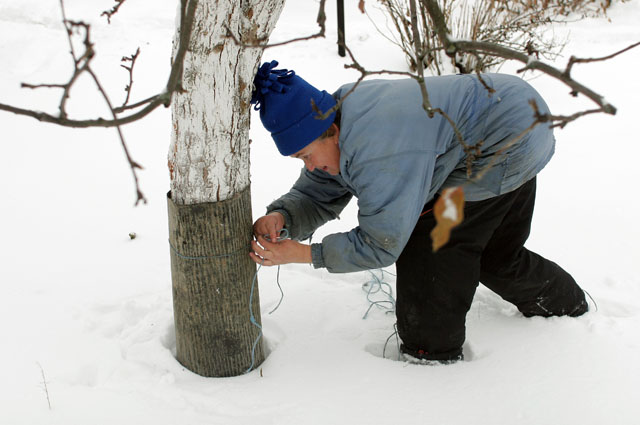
284 102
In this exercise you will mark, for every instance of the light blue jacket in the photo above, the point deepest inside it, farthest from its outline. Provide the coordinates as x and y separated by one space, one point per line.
394 159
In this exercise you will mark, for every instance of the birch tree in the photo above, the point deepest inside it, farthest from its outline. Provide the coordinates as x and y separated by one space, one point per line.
216 304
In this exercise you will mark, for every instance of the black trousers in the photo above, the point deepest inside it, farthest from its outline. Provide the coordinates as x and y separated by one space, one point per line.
435 290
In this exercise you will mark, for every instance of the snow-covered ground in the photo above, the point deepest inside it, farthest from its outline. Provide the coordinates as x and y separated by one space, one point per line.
91 309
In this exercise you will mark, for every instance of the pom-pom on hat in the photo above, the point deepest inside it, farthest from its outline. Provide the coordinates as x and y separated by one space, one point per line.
284 102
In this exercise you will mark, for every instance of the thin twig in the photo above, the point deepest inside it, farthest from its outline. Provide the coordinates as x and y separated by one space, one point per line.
113 11
135 105
39 86
417 46
68 31
131 59
498 155
559 120
187 18
82 64
573 60
470 151
85 60
454 46
320 20
44 383
363 74
174 84
132 164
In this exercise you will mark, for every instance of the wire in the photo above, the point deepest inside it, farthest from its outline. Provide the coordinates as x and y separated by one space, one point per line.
377 285
284 234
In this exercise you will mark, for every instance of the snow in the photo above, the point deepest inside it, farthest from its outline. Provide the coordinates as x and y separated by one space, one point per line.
93 306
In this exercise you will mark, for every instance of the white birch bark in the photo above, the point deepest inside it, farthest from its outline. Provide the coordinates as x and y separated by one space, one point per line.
209 151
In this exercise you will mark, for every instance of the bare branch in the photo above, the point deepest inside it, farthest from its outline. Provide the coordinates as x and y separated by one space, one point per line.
81 63
132 164
113 11
417 46
453 46
164 98
363 74
68 31
573 60
134 105
532 63
422 50
39 86
320 20
539 118
160 99
498 155
470 151
187 16
560 120
489 90
131 59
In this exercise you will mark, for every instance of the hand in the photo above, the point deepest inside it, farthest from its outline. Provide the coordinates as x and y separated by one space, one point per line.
282 252
270 224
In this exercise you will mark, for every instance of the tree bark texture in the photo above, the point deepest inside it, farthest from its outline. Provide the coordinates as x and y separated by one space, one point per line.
209 151
209 205
212 276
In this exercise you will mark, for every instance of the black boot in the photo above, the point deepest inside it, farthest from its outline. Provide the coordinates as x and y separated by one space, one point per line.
431 359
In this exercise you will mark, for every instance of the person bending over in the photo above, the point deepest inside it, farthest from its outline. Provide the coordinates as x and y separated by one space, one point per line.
383 148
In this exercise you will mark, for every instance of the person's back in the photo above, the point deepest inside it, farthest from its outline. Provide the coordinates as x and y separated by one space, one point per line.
394 158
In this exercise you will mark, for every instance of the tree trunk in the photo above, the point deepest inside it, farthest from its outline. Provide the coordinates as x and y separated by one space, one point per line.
212 279
209 204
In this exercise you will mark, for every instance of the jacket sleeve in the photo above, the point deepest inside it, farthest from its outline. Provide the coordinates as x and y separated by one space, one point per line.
391 194
313 200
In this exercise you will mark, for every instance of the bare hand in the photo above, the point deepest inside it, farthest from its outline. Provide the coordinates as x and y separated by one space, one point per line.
282 252
270 224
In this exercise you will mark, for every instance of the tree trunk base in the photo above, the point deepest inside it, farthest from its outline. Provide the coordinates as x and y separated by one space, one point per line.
212 276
